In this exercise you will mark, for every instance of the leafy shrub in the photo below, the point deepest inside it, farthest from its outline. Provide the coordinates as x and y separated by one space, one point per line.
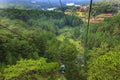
28 67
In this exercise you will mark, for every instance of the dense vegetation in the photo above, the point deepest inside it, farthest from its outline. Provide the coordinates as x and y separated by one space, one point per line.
104 53
103 7
33 45
35 35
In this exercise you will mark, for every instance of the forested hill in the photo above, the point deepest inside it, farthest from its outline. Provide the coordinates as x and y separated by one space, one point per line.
30 36
34 44
26 15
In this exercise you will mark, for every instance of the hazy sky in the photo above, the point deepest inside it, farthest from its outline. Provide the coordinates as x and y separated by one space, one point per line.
3 2
46 0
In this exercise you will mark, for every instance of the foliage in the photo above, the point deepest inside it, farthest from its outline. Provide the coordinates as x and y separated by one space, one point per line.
103 50
31 34
65 53
106 32
32 41
104 65
37 14
24 68
102 7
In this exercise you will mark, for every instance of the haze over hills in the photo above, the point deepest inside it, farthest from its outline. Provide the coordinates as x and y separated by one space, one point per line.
45 0
38 4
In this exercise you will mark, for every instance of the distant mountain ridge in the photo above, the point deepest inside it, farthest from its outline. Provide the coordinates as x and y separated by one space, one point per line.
38 4
64 1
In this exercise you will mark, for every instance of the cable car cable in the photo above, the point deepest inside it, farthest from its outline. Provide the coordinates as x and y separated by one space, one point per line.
50 3
90 9
87 30
61 6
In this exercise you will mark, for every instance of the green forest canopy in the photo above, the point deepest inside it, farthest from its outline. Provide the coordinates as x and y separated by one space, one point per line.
39 49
